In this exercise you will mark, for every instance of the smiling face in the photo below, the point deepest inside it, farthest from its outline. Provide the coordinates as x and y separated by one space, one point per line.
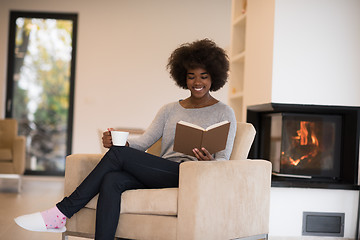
198 81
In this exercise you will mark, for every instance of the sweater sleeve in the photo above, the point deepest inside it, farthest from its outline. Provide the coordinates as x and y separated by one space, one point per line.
225 154
152 134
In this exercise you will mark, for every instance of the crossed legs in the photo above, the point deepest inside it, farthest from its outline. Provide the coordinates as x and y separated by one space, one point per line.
121 169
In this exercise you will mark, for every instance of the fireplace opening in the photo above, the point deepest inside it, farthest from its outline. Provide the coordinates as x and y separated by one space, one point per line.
308 145
303 145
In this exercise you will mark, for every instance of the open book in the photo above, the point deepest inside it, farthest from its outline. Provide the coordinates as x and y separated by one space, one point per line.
189 136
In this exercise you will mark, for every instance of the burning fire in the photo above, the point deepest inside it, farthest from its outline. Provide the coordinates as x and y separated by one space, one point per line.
305 139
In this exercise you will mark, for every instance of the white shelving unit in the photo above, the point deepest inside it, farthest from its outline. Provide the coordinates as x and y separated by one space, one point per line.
237 57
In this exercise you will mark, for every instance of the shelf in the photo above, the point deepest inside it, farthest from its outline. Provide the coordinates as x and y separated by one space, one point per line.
237 57
236 95
239 8
238 37
239 20
240 57
237 105
236 76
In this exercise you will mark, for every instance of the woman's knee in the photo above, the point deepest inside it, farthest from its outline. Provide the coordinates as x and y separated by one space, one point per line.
116 156
119 153
120 149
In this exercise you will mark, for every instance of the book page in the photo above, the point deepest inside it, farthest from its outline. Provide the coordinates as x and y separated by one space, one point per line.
216 125
191 125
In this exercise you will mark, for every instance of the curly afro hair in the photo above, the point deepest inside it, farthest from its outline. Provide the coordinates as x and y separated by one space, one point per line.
199 54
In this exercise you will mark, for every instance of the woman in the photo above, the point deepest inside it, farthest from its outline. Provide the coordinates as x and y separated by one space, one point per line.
200 67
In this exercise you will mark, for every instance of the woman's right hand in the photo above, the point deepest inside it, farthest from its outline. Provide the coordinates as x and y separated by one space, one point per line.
106 138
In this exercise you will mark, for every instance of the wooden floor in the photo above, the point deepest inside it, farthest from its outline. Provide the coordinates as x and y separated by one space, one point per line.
37 194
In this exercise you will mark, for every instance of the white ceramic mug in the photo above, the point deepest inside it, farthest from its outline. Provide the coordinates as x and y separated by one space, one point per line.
119 138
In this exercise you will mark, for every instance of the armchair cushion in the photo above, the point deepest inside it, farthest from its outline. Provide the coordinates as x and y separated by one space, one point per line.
146 201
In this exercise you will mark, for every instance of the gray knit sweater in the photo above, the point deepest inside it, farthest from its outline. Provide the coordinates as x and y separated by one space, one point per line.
164 126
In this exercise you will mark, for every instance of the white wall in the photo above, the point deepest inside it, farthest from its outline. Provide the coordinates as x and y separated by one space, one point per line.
316 61
317 52
123 47
288 204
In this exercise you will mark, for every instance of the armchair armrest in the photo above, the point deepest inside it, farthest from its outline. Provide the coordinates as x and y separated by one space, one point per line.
19 150
78 166
223 199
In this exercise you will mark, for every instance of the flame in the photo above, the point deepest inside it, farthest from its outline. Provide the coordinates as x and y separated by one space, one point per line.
305 138
294 162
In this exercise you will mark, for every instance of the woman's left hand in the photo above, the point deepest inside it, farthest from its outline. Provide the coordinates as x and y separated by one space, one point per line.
202 155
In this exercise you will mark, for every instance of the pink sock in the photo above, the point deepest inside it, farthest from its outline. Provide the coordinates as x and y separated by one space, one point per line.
53 218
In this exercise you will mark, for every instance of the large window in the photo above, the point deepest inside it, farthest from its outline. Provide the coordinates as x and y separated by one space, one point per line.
40 86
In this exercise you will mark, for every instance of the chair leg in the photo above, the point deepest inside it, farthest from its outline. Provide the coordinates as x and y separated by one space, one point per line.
255 237
10 179
19 184
64 236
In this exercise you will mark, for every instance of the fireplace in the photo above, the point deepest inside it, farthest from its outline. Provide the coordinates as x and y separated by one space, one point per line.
303 145
308 145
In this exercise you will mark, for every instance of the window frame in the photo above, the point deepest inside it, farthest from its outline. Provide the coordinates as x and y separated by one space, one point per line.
10 70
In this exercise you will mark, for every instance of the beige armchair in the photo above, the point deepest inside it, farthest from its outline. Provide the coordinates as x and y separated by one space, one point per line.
214 200
12 148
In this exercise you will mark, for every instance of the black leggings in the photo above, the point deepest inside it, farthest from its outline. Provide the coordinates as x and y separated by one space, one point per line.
121 169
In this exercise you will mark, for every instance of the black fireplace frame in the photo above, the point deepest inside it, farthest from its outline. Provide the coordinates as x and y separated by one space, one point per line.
349 145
